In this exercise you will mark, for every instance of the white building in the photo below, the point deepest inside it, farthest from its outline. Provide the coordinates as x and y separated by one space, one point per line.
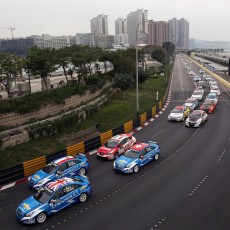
99 25
85 39
121 36
47 41
135 34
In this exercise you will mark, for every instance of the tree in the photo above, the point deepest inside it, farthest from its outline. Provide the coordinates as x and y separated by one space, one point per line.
159 54
63 58
10 67
41 62
123 81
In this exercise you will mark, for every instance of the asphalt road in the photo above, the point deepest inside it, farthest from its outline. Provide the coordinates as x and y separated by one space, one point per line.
187 188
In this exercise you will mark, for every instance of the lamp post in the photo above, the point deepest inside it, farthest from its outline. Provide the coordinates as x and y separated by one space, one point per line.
137 83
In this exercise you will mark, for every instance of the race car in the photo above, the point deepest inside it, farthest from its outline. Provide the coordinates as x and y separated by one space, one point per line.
179 113
198 94
52 198
196 118
208 106
191 103
137 156
116 146
212 97
61 167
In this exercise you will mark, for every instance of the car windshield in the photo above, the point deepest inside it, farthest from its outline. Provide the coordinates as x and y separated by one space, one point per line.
194 116
196 93
111 144
207 103
43 195
177 111
211 96
131 153
50 168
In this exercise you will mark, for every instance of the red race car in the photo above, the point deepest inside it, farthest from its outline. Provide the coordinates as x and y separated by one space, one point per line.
116 146
208 106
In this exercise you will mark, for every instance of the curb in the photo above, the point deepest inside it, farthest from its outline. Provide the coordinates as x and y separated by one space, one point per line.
95 151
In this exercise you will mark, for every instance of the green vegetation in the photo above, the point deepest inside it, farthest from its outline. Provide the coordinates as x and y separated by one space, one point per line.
116 113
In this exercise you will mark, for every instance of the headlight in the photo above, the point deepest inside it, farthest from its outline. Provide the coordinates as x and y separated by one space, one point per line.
29 178
30 214
114 163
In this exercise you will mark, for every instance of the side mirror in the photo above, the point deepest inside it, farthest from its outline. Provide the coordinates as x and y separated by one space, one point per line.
141 156
59 173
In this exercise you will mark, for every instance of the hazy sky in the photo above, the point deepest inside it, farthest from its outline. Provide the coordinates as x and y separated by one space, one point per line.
208 19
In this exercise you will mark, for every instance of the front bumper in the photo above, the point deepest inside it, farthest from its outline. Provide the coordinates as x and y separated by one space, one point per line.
108 157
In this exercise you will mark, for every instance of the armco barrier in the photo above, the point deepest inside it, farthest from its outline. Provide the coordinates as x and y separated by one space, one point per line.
11 174
143 118
34 165
128 126
29 167
148 114
118 130
77 148
53 156
106 136
136 122
154 111
92 144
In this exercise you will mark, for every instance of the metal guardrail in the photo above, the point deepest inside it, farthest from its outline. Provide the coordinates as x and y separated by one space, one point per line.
31 166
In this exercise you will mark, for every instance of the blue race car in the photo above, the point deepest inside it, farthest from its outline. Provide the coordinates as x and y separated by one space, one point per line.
52 198
137 156
62 167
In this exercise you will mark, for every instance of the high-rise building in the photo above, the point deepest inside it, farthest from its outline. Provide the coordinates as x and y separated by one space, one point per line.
179 33
85 39
99 25
121 36
158 33
137 31
121 26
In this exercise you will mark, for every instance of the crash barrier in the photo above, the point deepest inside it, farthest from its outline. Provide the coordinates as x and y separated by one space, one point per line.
226 83
31 166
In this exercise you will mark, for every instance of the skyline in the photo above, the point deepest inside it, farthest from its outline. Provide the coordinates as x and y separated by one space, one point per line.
70 17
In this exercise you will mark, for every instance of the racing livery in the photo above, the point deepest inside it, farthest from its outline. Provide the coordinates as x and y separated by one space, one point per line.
191 103
62 167
137 156
52 198
116 146
196 118
208 106
179 113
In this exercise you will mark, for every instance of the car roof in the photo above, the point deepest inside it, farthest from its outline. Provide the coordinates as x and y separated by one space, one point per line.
62 160
59 183
179 107
120 137
139 147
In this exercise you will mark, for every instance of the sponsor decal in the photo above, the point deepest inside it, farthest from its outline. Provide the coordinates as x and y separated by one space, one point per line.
26 206
37 177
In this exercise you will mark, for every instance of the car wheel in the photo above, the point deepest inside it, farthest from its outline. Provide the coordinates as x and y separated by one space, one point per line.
156 157
82 171
135 168
83 197
116 155
41 217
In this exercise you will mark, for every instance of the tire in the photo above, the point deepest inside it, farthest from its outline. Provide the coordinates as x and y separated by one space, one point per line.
41 218
82 171
156 157
135 168
83 197
116 155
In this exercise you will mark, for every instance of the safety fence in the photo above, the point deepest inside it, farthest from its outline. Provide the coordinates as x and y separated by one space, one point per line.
29 167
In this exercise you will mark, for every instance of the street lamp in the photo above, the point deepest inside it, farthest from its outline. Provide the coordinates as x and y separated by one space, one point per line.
137 87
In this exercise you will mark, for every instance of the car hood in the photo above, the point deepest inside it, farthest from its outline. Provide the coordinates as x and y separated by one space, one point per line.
29 205
175 114
189 104
39 175
105 150
123 161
